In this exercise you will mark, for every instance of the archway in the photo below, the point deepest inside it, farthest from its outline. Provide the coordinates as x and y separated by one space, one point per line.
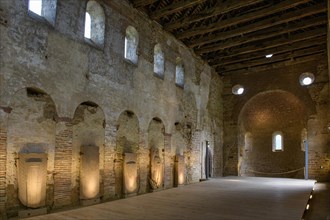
87 153
156 145
126 162
270 126
30 150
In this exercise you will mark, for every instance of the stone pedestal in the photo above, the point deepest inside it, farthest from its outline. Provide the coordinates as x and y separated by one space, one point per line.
32 177
32 212
89 173
130 174
179 171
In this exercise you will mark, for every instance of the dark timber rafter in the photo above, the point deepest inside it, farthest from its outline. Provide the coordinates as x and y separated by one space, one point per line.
222 60
263 24
276 31
235 35
172 8
220 8
240 19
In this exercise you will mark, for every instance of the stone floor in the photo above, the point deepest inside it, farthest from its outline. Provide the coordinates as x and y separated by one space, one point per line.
227 198
320 203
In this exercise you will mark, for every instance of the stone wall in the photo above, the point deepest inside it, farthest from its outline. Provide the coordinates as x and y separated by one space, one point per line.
307 111
68 75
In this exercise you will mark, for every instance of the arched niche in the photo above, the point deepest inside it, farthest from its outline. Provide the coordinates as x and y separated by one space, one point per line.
30 149
266 114
126 161
87 153
156 145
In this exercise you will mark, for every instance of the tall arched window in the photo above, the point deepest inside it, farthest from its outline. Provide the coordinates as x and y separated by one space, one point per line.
94 22
44 8
131 44
158 60
179 72
277 141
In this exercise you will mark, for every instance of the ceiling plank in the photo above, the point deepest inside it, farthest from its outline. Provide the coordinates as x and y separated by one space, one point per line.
276 31
282 6
172 8
142 3
286 56
266 23
261 54
272 44
273 65
219 8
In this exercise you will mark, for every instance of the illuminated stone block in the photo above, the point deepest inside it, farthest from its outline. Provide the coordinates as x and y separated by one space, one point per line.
32 177
130 173
89 172
157 170
179 170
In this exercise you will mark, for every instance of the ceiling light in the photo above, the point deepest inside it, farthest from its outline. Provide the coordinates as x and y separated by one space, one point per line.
237 90
306 79
269 55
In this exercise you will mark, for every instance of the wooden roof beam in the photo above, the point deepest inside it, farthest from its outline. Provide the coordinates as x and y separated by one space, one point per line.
279 64
273 44
142 3
279 57
261 54
220 8
276 31
257 25
174 7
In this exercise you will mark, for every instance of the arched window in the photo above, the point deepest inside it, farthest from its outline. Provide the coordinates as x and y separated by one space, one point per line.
131 44
44 8
88 26
303 138
158 60
94 22
248 141
277 141
179 72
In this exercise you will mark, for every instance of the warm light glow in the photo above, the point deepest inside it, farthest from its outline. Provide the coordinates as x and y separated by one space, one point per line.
130 173
35 6
307 81
181 178
311 196
88 23
307 207
91 188
269 55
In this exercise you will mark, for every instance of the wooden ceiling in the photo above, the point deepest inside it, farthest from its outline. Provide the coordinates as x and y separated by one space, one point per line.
234 36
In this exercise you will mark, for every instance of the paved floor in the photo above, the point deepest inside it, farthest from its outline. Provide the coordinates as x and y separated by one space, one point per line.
227 198
320 203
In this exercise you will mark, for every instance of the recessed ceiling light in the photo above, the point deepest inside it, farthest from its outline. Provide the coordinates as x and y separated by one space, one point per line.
306 79
269 55
237 90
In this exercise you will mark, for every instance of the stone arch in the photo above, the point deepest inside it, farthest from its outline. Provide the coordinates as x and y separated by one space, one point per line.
127 147
156 146
88 129
261 116
31 129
